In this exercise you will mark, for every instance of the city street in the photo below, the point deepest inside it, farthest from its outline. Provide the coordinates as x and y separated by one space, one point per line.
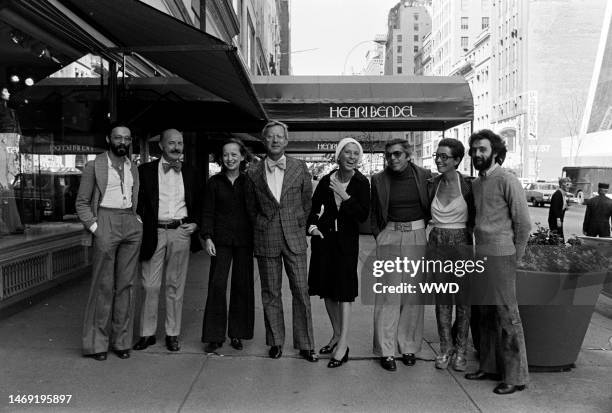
573 218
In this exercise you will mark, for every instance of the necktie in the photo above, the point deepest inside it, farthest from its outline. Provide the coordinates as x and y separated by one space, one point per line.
176 165
280 164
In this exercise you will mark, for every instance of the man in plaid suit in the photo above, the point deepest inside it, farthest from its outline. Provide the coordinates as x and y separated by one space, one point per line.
279 200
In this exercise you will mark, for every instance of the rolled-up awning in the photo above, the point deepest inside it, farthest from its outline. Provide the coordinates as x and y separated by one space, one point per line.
194 55
366 103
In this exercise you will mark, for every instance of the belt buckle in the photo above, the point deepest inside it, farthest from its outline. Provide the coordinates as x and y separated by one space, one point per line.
403 226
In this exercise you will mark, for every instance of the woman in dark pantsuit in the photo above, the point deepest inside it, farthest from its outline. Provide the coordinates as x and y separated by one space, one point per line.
340 202
229 237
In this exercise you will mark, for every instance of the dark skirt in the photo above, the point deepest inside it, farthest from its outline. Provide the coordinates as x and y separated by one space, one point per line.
333 272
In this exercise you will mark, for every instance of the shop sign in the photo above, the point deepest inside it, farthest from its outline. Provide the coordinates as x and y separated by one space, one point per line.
371 112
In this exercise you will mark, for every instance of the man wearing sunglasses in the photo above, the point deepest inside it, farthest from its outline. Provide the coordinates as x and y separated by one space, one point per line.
399 214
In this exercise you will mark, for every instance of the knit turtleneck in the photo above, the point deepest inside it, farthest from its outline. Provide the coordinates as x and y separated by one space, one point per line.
404 201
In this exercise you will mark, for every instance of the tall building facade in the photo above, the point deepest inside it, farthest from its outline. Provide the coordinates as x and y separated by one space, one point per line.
260 35
540 78
529 82
408 23
458 40
455 26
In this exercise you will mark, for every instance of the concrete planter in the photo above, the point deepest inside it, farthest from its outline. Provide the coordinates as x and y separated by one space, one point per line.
556 310
604 246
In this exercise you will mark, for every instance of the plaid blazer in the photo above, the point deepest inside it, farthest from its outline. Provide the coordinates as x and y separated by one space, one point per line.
273 221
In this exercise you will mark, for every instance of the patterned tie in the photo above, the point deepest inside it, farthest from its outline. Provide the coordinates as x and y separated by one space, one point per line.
176 165
280 164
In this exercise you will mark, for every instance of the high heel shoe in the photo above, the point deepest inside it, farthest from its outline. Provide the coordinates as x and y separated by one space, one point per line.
333 363
328 349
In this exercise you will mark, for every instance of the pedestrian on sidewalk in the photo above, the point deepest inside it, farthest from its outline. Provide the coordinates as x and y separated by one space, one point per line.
229 241
279 201
340 202
558 206
106 205
170 207
598 213
501 230
452 213
399 213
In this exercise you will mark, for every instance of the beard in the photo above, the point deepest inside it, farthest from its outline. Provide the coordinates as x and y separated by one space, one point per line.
119 150
481 163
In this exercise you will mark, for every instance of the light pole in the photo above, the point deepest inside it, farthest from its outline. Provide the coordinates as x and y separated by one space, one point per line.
377 41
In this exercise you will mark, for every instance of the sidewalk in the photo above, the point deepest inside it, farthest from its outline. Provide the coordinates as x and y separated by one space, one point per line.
40 353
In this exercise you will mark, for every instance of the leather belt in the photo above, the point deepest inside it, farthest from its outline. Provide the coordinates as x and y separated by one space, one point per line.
409 226
171 224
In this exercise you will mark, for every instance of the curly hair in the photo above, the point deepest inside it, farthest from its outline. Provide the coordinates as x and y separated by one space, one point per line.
498 146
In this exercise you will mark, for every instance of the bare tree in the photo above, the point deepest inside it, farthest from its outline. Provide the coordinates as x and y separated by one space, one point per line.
572 113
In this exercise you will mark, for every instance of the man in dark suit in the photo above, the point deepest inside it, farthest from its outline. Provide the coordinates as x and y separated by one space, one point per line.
598 213
279 201
558 206
169 204
106 205
399 214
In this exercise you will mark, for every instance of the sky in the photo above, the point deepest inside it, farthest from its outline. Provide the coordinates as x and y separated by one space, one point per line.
333 28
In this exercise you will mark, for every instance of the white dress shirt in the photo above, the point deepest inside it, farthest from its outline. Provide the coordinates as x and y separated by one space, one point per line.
118 194
275 179
171 194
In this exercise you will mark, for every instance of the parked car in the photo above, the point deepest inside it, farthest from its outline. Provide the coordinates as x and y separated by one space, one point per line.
524 182
46 196
539 193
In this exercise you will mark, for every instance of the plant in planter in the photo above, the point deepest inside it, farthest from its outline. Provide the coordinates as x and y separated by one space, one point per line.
547 252
560 282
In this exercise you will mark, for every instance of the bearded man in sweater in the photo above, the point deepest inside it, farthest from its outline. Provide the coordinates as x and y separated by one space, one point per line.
501 232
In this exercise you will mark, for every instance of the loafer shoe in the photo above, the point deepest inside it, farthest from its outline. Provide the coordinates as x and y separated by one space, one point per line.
481 375
122 354
144 342
388 363
275 352
98 356
503 388
236 343
409 359
309 355
172 343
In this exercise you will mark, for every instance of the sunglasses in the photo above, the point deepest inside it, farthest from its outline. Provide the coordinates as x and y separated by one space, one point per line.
396 154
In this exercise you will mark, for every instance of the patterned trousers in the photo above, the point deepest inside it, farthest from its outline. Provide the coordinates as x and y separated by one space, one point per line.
271 274
453 337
